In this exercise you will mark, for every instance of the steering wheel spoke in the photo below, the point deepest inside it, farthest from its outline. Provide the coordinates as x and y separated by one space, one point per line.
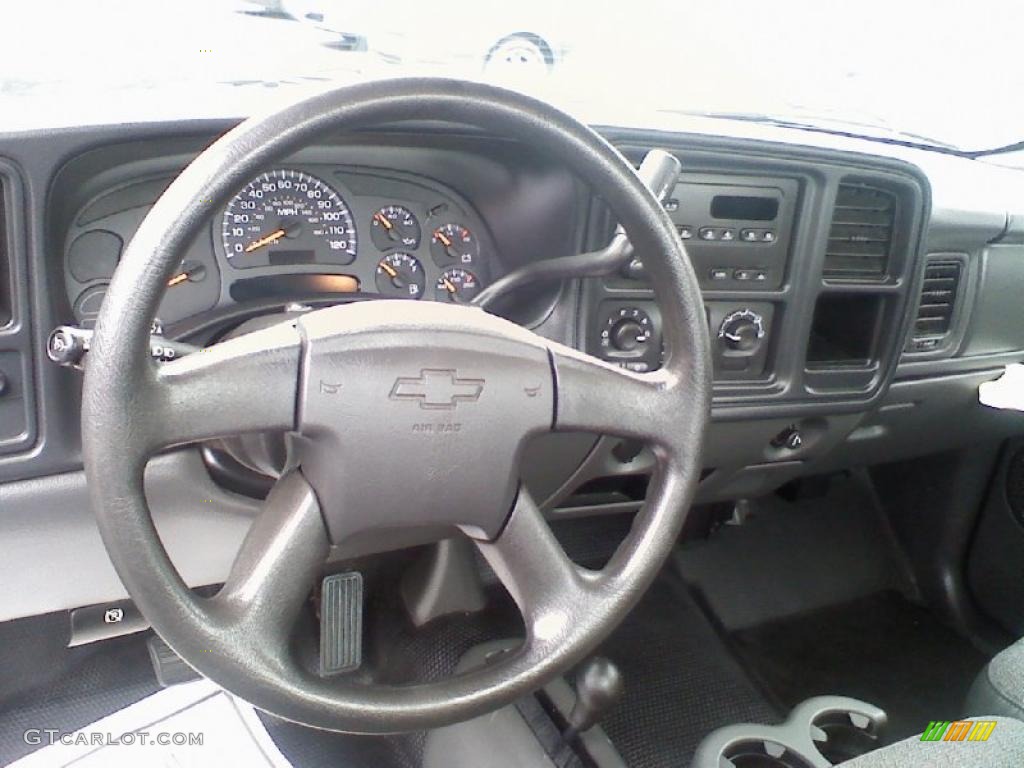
596 396
245 384
550 590
276 567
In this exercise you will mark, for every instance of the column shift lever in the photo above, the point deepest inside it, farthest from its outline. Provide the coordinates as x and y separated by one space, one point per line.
598 688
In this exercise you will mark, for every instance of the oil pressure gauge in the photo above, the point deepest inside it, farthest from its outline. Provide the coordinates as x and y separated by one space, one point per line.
395 226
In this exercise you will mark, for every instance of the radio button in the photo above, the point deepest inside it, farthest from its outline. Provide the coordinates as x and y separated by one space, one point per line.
757 235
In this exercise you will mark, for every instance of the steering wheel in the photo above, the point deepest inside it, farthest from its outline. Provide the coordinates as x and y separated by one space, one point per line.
451 394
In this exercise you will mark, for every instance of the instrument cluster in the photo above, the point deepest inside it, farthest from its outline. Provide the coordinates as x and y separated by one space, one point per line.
296 233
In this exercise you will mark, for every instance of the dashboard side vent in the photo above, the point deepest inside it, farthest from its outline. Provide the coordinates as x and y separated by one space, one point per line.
935 312
860 239
5 267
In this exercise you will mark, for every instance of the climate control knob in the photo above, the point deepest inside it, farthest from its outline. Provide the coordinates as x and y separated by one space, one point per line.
628 335
742 330
627 332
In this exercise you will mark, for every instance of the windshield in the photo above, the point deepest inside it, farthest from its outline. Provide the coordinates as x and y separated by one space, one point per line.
929 72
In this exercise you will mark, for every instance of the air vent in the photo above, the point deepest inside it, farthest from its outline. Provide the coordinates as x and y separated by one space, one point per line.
861 235
938 302
5 271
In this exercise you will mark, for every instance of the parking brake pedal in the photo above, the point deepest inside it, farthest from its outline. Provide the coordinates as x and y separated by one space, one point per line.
341 623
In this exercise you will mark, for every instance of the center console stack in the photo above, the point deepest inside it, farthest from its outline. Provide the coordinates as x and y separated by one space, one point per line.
737 231
806 270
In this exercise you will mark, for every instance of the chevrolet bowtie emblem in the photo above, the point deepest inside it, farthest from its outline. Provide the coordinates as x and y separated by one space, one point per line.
437 389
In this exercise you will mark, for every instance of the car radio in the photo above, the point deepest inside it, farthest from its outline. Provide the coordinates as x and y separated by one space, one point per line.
737 230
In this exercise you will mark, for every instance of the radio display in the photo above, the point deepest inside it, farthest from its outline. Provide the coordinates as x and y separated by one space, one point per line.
744 207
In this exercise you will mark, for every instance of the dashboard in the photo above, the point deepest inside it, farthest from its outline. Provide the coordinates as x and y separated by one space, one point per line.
856 295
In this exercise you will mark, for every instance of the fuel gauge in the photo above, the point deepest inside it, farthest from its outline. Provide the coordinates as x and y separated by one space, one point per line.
400 276
457 285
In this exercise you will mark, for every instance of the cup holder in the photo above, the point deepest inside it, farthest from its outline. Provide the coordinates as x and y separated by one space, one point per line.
818 733
847 735
759 753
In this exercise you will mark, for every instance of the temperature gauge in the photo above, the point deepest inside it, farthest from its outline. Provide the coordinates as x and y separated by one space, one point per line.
457 285
454 244
400 276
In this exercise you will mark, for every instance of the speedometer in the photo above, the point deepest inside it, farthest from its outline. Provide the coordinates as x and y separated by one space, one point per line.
288 217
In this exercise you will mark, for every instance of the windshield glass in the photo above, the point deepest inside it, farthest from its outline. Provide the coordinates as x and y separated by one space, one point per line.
925 71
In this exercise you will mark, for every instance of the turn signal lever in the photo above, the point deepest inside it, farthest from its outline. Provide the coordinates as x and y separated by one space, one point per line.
68 345
659 172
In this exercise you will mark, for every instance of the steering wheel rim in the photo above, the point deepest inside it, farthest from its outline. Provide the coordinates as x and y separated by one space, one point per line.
128 402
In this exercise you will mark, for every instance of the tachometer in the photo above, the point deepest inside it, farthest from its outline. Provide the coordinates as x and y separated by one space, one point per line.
288 217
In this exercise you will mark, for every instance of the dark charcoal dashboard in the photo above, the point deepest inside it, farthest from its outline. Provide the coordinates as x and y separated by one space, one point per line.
856 295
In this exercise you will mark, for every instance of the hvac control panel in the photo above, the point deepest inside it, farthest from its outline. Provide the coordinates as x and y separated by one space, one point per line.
629 333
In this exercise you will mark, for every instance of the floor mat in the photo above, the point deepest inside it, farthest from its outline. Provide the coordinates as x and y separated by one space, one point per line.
680 681
87 683
790 557
882 649
306 747
195 724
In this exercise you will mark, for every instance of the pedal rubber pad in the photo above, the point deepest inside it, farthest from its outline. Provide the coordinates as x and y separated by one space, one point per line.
341 623
169 667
